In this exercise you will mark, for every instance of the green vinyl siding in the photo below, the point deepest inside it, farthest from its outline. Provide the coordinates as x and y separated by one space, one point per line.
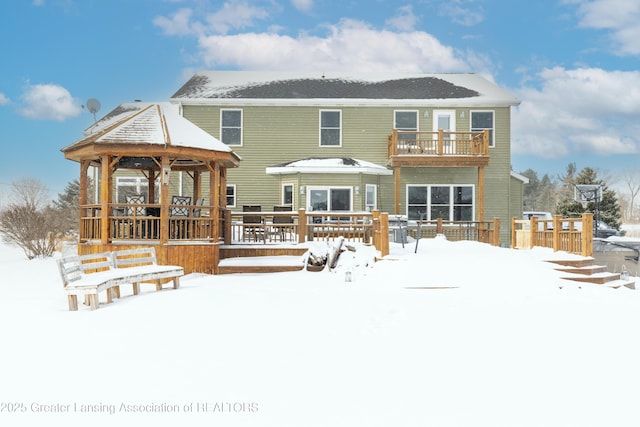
275 134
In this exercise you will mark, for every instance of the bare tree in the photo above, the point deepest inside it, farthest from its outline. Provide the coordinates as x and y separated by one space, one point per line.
29 192
30 222
632 179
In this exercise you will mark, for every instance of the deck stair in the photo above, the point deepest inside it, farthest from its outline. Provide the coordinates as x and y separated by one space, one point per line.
260 259
586 271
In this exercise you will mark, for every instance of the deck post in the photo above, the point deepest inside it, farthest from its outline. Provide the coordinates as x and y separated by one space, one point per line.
533 228
439 226
557 228
514 233
384 234
587 234
396 190
496 231
302 225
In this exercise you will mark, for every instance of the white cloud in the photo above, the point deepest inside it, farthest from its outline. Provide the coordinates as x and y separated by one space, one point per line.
48 102
579 111
179 24
620 17
38 2
462 12
405 20
233 15
303 5
349 45
3 99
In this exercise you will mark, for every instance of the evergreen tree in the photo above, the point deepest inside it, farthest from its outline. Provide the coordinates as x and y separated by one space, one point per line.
608 208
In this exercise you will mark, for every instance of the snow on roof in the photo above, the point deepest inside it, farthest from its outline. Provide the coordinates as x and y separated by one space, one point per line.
344 165
234 87
149 123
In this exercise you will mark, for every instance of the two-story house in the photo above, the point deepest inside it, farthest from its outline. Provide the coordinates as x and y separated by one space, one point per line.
408 144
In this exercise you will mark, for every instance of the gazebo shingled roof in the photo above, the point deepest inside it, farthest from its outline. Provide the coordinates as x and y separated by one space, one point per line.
147 130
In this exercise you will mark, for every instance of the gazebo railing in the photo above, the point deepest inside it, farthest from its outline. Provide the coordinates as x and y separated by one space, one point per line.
143 222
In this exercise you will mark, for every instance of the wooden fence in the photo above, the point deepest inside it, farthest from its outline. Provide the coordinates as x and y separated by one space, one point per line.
574 235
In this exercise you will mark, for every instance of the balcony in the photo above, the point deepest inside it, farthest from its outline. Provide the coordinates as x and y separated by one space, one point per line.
438 149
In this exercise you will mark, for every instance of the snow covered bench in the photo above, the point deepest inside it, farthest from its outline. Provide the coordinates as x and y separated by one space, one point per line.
88 275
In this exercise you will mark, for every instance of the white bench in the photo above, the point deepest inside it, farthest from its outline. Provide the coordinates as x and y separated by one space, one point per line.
88 275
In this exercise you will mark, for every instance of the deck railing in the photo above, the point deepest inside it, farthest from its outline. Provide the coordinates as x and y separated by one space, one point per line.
299 226
439 143
142 222
573 235
479 231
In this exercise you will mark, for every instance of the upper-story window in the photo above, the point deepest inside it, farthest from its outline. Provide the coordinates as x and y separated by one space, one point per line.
330 128
406 121
481 120
231 127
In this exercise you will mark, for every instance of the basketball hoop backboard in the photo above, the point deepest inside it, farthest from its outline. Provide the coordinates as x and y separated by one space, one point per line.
587 192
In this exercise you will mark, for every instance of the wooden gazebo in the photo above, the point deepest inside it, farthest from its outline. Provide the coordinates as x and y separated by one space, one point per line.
155 143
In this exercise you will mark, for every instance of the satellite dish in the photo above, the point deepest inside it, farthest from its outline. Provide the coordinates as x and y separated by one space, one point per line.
93 105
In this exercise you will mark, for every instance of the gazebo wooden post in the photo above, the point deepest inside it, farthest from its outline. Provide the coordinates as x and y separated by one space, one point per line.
151 178
481 193
84 168
214 197
197 186
105 197
164 200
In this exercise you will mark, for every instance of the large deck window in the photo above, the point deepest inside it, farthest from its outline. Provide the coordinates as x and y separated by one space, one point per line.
231 127
449 202
329 198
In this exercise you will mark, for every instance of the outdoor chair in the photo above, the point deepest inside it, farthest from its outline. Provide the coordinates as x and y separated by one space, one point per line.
136 199
179 214
282 225
252 227
197 211
179 210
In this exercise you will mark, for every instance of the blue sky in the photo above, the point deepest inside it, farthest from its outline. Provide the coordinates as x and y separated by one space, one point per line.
573 64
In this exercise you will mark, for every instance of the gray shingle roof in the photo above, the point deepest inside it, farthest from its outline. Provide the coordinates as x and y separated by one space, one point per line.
408 88
362 89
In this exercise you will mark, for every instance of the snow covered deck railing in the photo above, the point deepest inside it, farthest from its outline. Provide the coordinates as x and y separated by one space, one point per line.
574 235
439 148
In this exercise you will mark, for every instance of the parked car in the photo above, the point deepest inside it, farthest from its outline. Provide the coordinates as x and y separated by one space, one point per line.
604 230
541 216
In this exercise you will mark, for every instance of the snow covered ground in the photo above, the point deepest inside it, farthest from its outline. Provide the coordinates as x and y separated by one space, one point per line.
459 334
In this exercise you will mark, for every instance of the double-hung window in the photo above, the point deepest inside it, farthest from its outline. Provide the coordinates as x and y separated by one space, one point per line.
287 195
231 127
449 202
481 120
330 128
406 121
231 195
371 197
